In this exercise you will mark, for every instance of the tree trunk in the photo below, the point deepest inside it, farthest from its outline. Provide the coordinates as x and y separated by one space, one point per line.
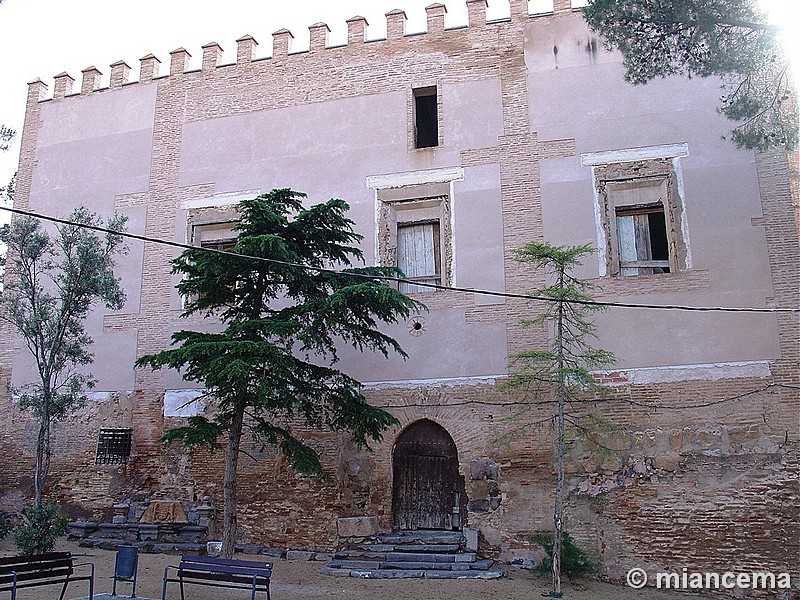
39 475
42 453
229 486
558 508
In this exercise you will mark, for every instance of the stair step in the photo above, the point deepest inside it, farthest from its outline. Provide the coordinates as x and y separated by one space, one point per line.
386 574
362 554
426 566
413 573
430 554
464 574
419 557
422 537
355 564
430 548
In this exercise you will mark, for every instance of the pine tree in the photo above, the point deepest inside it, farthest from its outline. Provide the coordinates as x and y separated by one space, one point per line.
274 361
563 369
729 39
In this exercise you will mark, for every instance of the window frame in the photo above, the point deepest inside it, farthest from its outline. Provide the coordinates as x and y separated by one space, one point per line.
617 209
419 109
661 170
434 278
399 212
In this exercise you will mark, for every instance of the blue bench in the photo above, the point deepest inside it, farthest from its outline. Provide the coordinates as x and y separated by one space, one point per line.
219 572
36 570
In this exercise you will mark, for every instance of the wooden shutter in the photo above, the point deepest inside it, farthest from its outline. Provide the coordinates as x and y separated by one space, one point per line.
418 255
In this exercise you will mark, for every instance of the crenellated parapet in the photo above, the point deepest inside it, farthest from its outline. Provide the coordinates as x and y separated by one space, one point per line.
246 46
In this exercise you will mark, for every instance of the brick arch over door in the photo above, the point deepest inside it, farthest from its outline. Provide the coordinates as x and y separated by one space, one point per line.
427 490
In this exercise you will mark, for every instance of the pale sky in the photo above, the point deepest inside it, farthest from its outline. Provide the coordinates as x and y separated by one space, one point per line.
41 38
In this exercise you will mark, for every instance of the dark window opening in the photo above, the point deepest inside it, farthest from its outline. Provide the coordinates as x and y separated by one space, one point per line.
426 118
113 446
642 240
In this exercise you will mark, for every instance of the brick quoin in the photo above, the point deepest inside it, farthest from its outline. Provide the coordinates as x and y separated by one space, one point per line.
702 408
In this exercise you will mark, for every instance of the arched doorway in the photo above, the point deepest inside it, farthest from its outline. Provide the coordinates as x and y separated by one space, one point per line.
427 489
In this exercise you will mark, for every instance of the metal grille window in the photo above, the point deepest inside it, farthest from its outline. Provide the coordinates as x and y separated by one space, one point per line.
113 446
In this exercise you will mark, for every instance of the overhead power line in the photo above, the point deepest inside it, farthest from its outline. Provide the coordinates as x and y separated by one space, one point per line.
386 278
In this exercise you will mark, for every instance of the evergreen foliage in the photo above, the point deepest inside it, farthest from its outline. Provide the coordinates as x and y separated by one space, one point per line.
50 287
729 39
574 561
562 370
272 366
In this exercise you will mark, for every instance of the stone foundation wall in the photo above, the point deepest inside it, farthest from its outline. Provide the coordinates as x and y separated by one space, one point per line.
710 474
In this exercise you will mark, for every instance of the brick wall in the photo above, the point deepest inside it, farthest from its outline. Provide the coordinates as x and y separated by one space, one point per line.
704 468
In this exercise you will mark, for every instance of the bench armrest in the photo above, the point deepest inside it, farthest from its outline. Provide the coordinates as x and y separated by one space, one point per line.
86 564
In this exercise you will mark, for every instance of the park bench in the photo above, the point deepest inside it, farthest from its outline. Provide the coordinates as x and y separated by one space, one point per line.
219 572
36 570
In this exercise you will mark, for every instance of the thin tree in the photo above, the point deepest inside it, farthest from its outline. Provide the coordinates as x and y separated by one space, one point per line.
563 369
284 311
730 39
51 285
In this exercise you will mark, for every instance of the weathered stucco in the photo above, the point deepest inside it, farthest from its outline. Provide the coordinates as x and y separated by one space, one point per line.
705 405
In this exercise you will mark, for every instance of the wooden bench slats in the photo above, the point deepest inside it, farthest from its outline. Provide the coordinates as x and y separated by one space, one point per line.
220 572
34 558
29 575
242 581
39 570
234 570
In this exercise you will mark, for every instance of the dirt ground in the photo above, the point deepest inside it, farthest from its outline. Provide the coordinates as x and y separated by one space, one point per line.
301 580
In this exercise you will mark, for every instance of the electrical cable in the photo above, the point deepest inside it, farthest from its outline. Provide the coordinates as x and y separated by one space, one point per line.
386 278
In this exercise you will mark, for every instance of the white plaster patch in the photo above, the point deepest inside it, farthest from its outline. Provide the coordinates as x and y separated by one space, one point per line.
183 403
394 180
702 372
591 159
221 200
449 381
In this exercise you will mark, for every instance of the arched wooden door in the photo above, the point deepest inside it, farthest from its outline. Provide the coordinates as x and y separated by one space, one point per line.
427 490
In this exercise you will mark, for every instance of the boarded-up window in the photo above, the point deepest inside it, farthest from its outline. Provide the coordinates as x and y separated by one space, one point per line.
426 118
113 446
642 245
217 236
418 255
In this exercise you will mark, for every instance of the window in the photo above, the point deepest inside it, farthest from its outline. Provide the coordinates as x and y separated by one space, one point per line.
426 117
113 446
419 255
642 247
215 235
641 225
414 236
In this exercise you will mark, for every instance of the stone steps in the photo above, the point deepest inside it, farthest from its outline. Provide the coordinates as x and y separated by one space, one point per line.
430 554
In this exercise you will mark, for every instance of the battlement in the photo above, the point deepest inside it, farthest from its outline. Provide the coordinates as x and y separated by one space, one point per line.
246 46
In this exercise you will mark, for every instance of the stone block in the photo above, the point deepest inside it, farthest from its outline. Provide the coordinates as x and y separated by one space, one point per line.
357 526
300 555
668 462
478 488
478 506
471 538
